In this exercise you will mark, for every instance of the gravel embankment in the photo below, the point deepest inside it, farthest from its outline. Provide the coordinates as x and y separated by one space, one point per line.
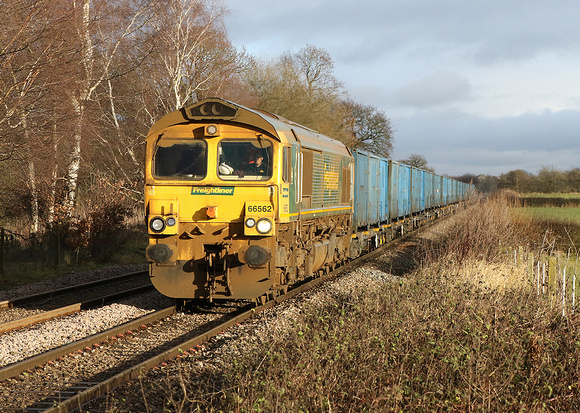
259 332
19 345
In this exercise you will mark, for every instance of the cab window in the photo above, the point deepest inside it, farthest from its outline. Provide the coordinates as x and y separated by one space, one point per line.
178 159
249 160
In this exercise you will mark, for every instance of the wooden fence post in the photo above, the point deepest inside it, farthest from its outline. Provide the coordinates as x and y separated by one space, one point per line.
538 275
543 277
2 252
552 275
564 292
574 291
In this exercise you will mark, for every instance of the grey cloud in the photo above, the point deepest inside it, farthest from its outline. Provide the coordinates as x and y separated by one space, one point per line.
379 44
435 89
458 143
485 31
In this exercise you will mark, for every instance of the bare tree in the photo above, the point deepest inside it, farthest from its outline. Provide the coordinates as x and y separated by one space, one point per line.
192 53
98 44
180 53
20 65
418 161
552 180
518 180
316 69
30 47
368 128
300 86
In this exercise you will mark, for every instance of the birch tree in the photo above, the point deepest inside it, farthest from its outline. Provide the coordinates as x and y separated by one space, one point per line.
81 81
30 44
193 55
95 66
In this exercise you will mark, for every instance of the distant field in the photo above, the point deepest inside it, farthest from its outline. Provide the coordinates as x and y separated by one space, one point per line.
550 200
572 195
552 213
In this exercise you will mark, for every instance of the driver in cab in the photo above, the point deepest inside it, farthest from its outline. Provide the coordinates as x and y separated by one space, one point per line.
256 164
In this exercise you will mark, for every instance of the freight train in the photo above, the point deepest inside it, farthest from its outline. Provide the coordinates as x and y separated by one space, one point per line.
241 204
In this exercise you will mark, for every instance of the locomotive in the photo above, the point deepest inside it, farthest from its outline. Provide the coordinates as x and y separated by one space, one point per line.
241 203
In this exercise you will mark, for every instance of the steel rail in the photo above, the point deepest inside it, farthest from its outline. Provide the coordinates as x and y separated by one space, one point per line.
107 385
70 309
33 362
67 290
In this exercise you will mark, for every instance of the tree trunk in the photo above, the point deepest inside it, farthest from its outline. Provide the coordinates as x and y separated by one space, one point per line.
35 225
79 103
72 173
53 182
34 216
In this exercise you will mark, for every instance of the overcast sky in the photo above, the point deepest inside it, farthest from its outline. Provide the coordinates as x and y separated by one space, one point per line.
476 86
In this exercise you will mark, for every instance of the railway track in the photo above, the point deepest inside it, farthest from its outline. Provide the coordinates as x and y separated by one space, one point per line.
69 377
56 296
33 309
72 375
87 369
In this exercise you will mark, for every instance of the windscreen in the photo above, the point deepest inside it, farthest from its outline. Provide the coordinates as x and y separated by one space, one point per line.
178 159
245 160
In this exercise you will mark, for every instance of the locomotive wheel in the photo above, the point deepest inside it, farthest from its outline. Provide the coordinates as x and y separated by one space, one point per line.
180 304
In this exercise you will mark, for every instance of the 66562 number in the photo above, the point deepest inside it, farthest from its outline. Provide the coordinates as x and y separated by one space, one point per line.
259 208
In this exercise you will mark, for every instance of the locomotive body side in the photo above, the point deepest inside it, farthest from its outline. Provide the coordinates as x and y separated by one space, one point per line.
241 203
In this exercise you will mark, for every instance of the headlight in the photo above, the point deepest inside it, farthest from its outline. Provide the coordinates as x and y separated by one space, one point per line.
157 224
264 225
211 130
250 222
171 221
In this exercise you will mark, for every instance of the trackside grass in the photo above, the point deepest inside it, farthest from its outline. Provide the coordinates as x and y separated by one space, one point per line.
463 332
552 213
569 195
429 344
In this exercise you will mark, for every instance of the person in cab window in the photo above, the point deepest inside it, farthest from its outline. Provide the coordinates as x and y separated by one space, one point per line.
256 165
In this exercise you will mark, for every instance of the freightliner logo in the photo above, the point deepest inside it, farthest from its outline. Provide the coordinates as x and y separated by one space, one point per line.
212 190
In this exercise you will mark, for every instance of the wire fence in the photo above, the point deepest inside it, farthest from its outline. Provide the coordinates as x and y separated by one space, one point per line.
8 240
63 247
553 274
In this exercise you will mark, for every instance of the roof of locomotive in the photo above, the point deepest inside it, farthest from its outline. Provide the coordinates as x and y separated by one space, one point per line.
220 110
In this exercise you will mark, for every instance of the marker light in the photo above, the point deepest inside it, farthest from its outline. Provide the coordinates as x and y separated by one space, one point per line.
211 211
250 222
